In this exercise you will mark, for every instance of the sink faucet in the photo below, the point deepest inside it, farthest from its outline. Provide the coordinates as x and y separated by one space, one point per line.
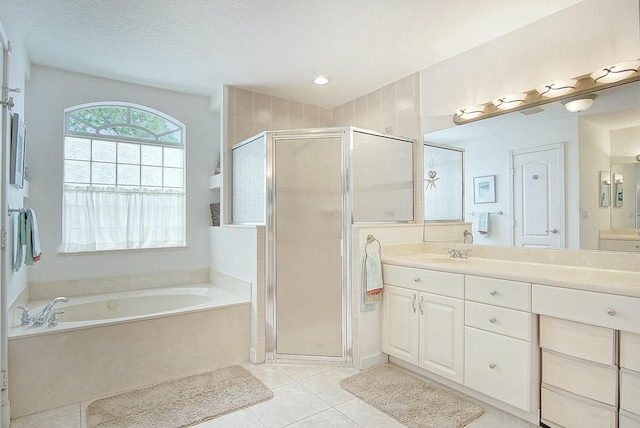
458 254
41 317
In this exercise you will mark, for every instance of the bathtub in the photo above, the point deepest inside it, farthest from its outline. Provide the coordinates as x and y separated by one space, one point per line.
102 309
110 343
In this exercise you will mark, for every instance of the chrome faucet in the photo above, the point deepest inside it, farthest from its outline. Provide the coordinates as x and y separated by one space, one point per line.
41 317
458 254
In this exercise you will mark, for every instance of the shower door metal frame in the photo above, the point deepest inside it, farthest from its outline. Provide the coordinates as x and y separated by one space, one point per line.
271 256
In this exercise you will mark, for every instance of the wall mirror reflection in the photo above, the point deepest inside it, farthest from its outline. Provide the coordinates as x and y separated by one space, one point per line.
605 188
606 137
443 185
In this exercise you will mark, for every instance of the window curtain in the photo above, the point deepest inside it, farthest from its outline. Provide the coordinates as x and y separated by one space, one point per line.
109 218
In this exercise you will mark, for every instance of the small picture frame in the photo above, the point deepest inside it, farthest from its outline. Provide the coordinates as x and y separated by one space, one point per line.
484 189
17 155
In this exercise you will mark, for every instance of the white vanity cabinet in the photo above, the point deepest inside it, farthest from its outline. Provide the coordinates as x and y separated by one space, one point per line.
500 341
629 380
423 319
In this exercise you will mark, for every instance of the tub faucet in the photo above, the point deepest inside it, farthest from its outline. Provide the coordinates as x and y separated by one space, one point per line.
41 317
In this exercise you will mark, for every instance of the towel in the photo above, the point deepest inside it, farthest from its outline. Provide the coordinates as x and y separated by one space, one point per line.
373 277
27 235
484 224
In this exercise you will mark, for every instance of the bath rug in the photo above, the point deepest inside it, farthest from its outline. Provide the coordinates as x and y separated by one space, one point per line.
410 399
180 403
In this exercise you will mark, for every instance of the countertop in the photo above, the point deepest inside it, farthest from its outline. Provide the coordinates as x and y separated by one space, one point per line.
621 282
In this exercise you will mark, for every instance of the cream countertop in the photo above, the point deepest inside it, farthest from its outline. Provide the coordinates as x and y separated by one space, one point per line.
621 282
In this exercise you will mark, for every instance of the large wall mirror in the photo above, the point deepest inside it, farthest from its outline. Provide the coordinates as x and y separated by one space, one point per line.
588 147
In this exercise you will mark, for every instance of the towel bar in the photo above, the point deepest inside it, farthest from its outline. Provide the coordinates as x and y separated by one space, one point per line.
14 210
494 212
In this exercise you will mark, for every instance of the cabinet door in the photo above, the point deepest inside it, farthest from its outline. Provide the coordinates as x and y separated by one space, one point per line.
400 323
442 335
498 366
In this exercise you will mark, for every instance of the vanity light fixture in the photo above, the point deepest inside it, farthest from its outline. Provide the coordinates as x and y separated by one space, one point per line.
470 112
557 88
320 80
616 72
510 101
577 105
638 157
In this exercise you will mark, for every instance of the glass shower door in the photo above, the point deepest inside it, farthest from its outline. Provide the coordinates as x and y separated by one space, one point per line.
308 234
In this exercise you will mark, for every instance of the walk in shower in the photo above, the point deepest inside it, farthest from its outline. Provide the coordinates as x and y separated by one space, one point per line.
308 187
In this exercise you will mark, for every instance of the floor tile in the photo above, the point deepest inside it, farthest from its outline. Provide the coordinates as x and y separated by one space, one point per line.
299 372
290 403
329 418
493 417
327 385
29 420
272 376
66 421
240 419
366 415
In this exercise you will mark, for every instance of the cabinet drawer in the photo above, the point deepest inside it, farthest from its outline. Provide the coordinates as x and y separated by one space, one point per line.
630 351
606 310
443 283
588 342
498 366
620 245
571 412
591 380
628 420
499 320
499 292
630 391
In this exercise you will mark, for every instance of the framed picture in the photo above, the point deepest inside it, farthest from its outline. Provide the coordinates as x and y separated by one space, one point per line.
484 189
18 141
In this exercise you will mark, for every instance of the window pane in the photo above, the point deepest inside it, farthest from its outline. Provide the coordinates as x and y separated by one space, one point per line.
128 131
151 176
76 172
78 126
103 173
173 177
174 137
151 121
104 151
77 148
173 157
128 153
151 155
128 175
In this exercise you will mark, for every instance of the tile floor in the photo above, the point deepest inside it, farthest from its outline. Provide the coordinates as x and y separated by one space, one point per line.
304 396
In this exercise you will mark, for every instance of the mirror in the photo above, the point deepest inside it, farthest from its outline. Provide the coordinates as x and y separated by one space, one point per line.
605 188
606 137
443 183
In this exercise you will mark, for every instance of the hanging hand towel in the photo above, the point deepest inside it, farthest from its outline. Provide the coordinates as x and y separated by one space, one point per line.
373 277
484 224
34 253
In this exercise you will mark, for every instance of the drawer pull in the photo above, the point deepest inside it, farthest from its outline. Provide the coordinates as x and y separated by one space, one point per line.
492 366
492 320
416 279
611 312
413 303
420 305
493 292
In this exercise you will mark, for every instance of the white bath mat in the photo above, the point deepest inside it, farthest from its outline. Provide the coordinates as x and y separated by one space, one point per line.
181 402
410 399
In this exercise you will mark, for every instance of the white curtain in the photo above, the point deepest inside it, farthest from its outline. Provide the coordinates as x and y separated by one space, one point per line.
109 218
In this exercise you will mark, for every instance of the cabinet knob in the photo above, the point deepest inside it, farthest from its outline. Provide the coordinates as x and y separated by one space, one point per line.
611 312
492 366
416 279
493 292
492 320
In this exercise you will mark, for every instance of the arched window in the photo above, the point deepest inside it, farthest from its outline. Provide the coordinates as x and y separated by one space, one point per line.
124 178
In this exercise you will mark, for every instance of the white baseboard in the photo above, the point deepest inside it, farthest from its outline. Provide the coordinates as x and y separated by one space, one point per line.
373 360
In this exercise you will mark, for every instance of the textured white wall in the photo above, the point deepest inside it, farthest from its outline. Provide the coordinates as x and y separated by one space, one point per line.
50 91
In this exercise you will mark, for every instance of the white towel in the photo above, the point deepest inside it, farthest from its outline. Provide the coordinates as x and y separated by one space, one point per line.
484 224
27 235
373 277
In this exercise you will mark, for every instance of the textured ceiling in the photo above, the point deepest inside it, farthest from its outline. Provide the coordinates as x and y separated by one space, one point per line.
275 47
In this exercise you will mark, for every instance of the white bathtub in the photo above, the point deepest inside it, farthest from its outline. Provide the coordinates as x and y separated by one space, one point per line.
101 309
109 343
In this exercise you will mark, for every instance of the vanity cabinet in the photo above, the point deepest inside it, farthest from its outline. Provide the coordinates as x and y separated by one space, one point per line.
500 341
629 380
423 319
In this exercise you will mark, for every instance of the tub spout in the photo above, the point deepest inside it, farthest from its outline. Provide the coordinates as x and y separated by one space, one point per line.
41 317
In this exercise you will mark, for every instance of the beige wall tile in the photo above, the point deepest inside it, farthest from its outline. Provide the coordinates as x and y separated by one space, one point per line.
404 94
388 100
349 113
280 118
244 130
337 116
243 104
262 111
325 118
310 116
296 115
360 112
373 105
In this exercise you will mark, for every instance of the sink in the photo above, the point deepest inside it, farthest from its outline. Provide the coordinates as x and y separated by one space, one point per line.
442 260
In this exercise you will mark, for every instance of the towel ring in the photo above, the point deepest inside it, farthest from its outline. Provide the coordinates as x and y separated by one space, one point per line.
370 240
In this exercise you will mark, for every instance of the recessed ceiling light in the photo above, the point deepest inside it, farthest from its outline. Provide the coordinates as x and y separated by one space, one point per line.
320 80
